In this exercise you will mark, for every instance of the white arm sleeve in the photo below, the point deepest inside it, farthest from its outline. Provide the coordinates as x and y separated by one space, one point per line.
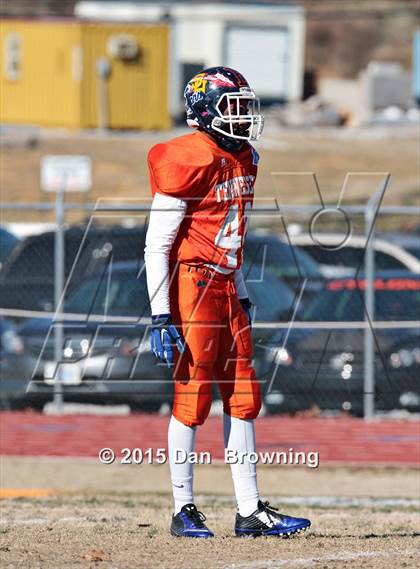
240 284
166 216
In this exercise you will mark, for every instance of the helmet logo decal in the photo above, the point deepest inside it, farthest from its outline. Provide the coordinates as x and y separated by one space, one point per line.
198 85
219 80
195 97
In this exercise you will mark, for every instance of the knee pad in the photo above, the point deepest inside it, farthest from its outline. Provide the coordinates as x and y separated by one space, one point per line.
245 405
192 404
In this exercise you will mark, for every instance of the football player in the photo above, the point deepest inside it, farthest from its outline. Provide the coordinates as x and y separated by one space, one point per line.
203 188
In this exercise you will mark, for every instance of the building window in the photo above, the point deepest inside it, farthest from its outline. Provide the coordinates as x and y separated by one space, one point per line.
13 55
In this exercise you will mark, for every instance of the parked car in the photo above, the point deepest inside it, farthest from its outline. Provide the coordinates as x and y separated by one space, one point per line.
7 242
410 242
345 260
323 365
106 355
272 298
285 261
27 277
107 349
15 366
273 301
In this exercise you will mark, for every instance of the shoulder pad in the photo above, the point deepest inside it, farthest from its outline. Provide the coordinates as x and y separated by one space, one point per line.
179 166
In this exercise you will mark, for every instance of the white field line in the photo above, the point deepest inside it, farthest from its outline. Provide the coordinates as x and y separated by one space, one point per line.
351 502
302 501
87 520
34 521
315 560
330 501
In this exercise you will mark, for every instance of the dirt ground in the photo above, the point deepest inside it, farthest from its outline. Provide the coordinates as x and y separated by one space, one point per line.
117 517
120 167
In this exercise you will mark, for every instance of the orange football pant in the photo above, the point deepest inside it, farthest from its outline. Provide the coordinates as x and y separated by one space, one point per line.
206 310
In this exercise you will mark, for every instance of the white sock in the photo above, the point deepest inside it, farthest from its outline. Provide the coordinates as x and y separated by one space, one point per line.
239 435
181 436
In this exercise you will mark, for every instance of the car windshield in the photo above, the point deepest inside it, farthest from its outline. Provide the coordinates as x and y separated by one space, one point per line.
352 257
414 250
7 242
348 305
283 259
118 293
33 259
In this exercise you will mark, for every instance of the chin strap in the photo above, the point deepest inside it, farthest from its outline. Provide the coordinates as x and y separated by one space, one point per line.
229 144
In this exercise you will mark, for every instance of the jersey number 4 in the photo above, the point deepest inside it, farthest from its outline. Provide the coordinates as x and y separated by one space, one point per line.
228 236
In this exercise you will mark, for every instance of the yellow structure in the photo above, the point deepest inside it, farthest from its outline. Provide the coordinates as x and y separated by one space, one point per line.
73 74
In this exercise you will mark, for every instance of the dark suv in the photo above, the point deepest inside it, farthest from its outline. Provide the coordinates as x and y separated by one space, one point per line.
106 348
320 360
285 261
27 276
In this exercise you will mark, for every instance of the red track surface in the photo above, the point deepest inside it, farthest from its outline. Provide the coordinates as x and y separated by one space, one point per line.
338 440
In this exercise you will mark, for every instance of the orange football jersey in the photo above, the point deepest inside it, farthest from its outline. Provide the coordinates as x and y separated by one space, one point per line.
219 189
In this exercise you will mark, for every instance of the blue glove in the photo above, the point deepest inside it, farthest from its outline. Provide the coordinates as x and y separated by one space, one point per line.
164 334
247 305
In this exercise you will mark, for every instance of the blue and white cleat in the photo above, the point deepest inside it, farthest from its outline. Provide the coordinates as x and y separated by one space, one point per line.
189 522
267 521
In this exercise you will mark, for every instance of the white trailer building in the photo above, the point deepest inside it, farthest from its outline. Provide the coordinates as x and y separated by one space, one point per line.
263 41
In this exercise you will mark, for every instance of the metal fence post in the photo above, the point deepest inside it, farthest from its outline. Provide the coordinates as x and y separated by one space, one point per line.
372 207
416 67
369 345
59 252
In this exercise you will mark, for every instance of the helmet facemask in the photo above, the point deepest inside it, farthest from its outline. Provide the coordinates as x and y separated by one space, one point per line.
238 115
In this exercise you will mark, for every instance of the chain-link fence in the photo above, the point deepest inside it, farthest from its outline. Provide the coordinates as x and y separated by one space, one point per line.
335 312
